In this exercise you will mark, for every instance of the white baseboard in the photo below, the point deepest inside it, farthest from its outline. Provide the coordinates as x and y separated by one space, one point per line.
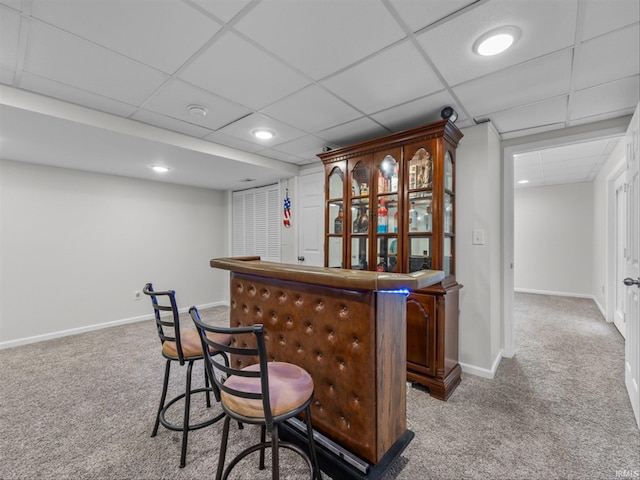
483 372
89 328
557 294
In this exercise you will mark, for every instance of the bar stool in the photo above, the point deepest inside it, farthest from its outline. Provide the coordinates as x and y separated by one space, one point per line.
242 394
182 347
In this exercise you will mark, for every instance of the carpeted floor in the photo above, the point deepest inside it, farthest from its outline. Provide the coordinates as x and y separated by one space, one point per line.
82 407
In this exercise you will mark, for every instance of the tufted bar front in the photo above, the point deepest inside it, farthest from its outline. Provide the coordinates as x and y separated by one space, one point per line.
346 331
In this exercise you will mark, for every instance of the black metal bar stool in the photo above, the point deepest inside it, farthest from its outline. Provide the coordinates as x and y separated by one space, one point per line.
182 347
265 393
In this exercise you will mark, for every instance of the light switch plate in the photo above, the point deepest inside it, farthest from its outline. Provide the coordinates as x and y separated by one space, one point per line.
478 237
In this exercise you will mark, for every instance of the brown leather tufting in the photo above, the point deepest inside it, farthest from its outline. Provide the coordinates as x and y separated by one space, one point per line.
289 388
329 333
191 345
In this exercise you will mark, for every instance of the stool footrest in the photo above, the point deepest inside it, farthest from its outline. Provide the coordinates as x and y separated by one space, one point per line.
180 428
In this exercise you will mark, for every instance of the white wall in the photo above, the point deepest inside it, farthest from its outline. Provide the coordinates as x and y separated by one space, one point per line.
75 246
479 267
553 232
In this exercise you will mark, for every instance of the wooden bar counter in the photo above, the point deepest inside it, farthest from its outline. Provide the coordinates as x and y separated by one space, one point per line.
347 328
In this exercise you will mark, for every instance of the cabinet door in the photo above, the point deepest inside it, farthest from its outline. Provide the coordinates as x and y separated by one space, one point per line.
420 207
421 333
385 227
335 220
359 217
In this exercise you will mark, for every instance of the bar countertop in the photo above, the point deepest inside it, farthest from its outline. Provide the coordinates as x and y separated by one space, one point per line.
331 277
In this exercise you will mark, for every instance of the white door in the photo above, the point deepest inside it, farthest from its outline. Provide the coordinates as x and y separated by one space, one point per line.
632 269
311 218
620 294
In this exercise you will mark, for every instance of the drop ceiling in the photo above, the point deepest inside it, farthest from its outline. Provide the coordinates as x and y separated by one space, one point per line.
105 85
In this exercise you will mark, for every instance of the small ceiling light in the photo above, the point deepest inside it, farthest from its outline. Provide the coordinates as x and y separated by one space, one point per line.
449 113
523 181
197 111
160 168
263 134
496 41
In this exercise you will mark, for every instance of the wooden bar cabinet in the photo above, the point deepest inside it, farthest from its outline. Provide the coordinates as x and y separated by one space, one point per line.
390 207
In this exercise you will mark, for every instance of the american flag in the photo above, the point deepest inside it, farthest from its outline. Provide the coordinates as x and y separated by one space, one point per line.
287 211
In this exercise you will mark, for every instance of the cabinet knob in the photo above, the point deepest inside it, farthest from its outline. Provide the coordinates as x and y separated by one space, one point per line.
301 258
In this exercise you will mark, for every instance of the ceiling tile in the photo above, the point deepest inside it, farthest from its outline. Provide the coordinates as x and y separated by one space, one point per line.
552 111
311 109
518 85
321 37
225 10
418 112
174 98
546 27
574 151
75 95
605 16
306 147
9 37
608 57
282 156
153 118
6 75
143 27
233 142
418 14
532 131
90 67
242 129
610 97
237 70
375 84
353 132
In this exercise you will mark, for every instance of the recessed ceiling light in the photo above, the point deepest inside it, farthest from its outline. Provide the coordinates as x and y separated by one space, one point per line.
496 41
523 181
160 168
197 111
263 134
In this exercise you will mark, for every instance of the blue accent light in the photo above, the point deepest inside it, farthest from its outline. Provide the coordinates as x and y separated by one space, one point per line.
401 291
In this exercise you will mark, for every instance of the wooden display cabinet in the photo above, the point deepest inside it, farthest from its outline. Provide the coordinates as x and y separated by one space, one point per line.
390 206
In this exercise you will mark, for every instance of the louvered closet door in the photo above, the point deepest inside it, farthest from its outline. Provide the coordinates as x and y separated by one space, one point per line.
256 216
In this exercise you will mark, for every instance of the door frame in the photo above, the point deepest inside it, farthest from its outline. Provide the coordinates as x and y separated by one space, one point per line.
582 133
610 289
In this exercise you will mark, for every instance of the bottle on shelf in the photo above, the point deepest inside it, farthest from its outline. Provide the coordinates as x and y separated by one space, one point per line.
394 179
426 260
413 218
383 218
427 218
338 222
395 222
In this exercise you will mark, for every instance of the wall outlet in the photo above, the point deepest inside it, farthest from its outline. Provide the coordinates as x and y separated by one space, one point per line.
137 295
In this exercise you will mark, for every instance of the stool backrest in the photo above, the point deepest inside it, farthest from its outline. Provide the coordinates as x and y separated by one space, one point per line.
219 371
169 325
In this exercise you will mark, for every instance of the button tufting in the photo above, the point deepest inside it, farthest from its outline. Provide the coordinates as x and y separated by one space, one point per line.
245 307
319 356
252 290
265 293
309 329
282 297
274 317
344 312
320 305
289 321
299 300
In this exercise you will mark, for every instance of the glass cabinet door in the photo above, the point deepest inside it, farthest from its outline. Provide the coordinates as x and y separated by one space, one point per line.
336 220
360 216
